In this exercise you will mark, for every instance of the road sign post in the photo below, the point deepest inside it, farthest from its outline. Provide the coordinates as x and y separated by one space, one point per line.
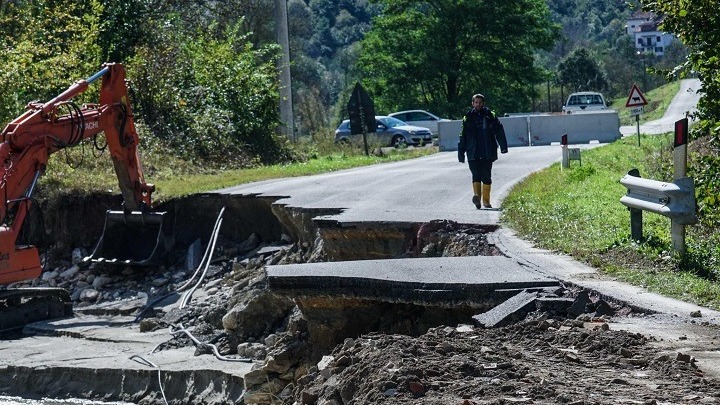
361 110
636 100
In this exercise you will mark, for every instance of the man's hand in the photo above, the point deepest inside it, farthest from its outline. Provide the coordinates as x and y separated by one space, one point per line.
461 156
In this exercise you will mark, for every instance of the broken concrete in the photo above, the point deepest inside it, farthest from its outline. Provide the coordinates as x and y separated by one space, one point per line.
512 309
396 300
108 357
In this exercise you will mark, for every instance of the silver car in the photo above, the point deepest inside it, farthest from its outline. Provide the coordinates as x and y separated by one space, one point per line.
420 118
390 131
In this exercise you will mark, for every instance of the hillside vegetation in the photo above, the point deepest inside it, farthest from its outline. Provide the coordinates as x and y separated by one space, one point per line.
203 74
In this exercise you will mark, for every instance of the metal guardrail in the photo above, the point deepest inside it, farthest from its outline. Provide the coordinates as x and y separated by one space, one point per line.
674 200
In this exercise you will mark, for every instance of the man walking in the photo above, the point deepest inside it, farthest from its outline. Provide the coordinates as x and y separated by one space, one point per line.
481 135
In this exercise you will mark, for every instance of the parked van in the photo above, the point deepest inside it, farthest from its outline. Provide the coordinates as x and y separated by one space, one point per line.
584 101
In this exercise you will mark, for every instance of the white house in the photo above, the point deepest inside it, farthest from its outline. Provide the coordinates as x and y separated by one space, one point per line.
643 27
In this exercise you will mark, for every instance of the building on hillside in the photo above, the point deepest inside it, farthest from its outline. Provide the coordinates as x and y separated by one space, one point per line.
643 27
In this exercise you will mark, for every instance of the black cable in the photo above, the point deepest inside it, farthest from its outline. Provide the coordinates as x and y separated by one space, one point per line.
81 128
77 132
6 203
37 213
98 148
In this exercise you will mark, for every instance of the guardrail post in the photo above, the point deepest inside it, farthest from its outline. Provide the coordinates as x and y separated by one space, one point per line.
677 231
636 221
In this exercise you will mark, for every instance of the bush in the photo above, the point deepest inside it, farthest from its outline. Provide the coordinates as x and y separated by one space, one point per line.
211 101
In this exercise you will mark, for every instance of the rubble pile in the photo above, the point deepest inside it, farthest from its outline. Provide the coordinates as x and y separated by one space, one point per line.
541 361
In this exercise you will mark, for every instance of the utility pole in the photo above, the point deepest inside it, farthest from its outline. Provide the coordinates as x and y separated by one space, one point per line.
548 94
286 106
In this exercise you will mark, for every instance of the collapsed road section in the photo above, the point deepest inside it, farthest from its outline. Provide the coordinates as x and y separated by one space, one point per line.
291 301
348 299
235 304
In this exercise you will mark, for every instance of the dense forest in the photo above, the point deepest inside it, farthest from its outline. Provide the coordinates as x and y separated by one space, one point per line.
204 73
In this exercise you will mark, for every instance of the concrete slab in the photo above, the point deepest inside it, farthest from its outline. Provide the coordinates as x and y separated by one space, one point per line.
515 308
68 353
430 279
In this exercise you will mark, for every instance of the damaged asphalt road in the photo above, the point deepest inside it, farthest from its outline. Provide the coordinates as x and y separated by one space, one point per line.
422 348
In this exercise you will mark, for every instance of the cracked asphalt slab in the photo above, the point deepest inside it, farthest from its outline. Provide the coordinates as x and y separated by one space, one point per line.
111 357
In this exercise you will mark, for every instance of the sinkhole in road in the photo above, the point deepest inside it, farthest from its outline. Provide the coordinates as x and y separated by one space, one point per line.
239 310
314 235
260 231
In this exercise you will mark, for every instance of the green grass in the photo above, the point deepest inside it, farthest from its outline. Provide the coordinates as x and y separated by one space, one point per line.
193 183
577 211
175 178
658 100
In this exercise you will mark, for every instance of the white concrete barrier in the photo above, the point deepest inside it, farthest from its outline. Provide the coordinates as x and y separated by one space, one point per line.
581 128
516 132
448 134
544 129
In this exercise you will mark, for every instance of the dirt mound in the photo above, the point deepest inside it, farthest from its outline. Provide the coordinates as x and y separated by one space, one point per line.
541 362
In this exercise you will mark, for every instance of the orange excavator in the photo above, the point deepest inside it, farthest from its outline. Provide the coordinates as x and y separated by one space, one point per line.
133 235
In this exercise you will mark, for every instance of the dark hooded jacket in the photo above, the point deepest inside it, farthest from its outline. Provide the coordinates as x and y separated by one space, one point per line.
481 135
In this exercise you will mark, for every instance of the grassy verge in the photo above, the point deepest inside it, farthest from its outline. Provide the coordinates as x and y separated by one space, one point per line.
577 211
193 183
77 171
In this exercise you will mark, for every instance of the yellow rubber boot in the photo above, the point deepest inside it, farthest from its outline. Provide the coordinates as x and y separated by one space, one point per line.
486 195
477 191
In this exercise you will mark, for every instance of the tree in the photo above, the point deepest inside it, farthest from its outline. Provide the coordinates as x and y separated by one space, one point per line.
696 23
622 66
122 27
436 54
212 100
580 72
47 45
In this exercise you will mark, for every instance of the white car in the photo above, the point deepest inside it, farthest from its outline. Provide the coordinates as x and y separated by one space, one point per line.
584 101
419 118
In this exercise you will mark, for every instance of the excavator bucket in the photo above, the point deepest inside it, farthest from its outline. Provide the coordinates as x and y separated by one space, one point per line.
138 238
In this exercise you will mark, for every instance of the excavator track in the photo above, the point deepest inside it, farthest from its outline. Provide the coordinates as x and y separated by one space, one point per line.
21 306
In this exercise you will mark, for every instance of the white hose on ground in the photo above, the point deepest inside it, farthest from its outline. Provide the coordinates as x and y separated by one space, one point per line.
147 362
208 251
216 352
207 256
187 296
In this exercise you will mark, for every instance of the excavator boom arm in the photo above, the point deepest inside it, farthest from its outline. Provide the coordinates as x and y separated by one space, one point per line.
29 140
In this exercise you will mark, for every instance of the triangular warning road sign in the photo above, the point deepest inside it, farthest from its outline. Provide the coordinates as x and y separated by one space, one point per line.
636 98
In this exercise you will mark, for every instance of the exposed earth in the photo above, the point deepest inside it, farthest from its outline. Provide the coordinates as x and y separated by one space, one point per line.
541 361
546 358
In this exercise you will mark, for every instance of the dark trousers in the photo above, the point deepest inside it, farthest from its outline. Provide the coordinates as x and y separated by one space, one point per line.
481 170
